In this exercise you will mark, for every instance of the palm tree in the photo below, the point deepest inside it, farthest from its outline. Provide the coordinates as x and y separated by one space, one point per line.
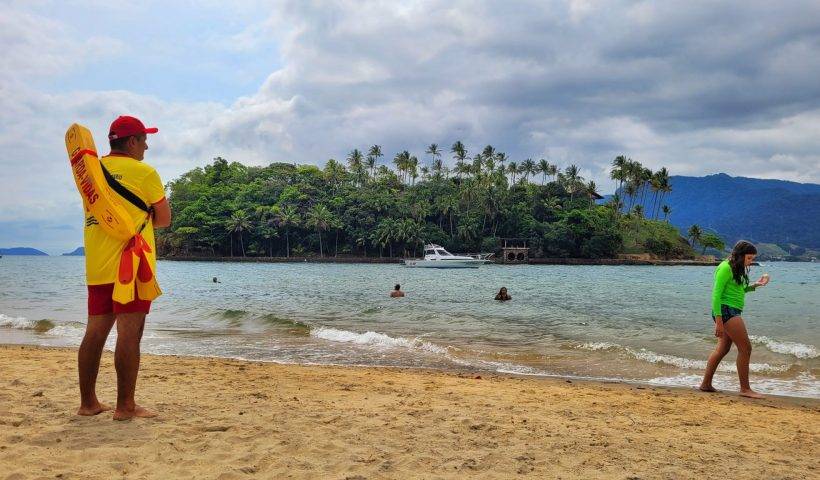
664 186
288 217
591 190
438 168
354 158
268 222
638 210
467 229
320 218
402 162
630 190
553 171
375 153
434 152
616 203
460 155
666 211
512 169
448 206
413 168
695 234
619 170
488 152
528 167
334 172
355 161
501 157
544 168
573 179
238 223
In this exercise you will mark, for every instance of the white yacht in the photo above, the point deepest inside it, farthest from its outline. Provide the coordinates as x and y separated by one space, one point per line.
435 256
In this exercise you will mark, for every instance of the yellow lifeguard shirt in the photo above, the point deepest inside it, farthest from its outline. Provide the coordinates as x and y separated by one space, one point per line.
102 251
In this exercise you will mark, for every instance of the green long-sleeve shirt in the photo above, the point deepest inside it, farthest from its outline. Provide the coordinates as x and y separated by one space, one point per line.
726 291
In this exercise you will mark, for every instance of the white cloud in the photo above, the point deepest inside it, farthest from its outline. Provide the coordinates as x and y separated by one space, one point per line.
698 88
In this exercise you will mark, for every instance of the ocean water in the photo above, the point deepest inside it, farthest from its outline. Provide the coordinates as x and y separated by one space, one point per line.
630 323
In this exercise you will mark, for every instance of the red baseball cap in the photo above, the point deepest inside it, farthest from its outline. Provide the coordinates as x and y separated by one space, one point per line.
125 126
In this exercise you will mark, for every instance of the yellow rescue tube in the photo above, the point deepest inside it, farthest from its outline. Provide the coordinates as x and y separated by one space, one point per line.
135 278
98 198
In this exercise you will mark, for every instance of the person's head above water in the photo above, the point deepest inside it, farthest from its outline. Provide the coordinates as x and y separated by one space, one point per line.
396 292
128 135
743 254
503 291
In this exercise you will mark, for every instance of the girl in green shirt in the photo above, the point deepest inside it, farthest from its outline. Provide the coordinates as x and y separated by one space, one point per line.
730 288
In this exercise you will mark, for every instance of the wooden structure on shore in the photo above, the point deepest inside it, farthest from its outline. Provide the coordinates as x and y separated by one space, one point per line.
515 251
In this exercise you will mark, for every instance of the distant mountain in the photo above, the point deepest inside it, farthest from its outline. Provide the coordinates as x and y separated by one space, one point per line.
770 211
78 252
21 251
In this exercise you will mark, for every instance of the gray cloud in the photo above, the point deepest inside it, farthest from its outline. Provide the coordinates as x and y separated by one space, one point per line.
699 87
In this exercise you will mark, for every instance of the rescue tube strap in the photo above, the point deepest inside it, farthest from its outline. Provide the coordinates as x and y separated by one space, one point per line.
80 154
124 192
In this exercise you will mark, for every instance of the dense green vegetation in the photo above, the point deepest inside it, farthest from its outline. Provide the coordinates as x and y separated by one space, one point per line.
367 209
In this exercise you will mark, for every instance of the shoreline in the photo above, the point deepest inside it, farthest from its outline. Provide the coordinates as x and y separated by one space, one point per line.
398 261
223 418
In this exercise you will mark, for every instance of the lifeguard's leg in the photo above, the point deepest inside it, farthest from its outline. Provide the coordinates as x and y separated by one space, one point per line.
88 362
127 362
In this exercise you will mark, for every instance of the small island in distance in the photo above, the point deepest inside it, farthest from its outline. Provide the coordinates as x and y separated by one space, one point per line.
22 251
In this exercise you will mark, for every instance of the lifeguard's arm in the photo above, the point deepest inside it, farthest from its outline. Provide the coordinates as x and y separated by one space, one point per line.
722 276
162 214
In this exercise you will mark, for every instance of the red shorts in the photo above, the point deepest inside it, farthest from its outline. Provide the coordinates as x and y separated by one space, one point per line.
101 303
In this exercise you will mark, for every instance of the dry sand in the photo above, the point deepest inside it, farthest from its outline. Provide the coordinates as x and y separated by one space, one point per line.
229 419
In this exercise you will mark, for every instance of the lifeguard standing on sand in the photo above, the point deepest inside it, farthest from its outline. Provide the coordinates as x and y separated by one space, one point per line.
105 259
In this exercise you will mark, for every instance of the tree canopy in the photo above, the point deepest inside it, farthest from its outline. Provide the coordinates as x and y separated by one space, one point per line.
366 208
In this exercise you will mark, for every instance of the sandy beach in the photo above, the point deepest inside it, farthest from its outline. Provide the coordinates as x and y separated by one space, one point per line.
227 419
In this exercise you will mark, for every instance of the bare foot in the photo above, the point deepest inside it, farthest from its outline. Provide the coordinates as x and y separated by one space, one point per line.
137 412
751 394
707 388
95 410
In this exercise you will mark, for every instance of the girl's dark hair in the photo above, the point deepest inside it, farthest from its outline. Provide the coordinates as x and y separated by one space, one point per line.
397 287
736 261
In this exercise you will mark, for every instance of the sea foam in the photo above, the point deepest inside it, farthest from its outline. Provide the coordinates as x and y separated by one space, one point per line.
649 356
804 385
795 349
21 323
375 339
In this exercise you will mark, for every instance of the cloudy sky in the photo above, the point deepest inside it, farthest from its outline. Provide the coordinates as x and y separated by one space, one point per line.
698 87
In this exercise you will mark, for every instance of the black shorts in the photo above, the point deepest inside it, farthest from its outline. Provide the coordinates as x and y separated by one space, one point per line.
727 312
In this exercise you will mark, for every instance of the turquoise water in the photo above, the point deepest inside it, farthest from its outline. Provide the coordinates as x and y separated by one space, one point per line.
646 324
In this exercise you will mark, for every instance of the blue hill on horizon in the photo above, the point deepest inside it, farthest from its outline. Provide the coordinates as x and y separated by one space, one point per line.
758 210
78 252
22 251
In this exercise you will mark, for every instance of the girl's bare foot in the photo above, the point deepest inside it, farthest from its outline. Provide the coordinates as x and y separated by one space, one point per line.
751 394
707 388
137 412
95 410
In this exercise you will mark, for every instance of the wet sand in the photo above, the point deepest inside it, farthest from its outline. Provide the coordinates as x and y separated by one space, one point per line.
227 419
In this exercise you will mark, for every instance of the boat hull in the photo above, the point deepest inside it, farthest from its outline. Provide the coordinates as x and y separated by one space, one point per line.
444 263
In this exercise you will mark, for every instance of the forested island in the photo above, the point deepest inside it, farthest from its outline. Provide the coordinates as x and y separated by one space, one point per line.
364 208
